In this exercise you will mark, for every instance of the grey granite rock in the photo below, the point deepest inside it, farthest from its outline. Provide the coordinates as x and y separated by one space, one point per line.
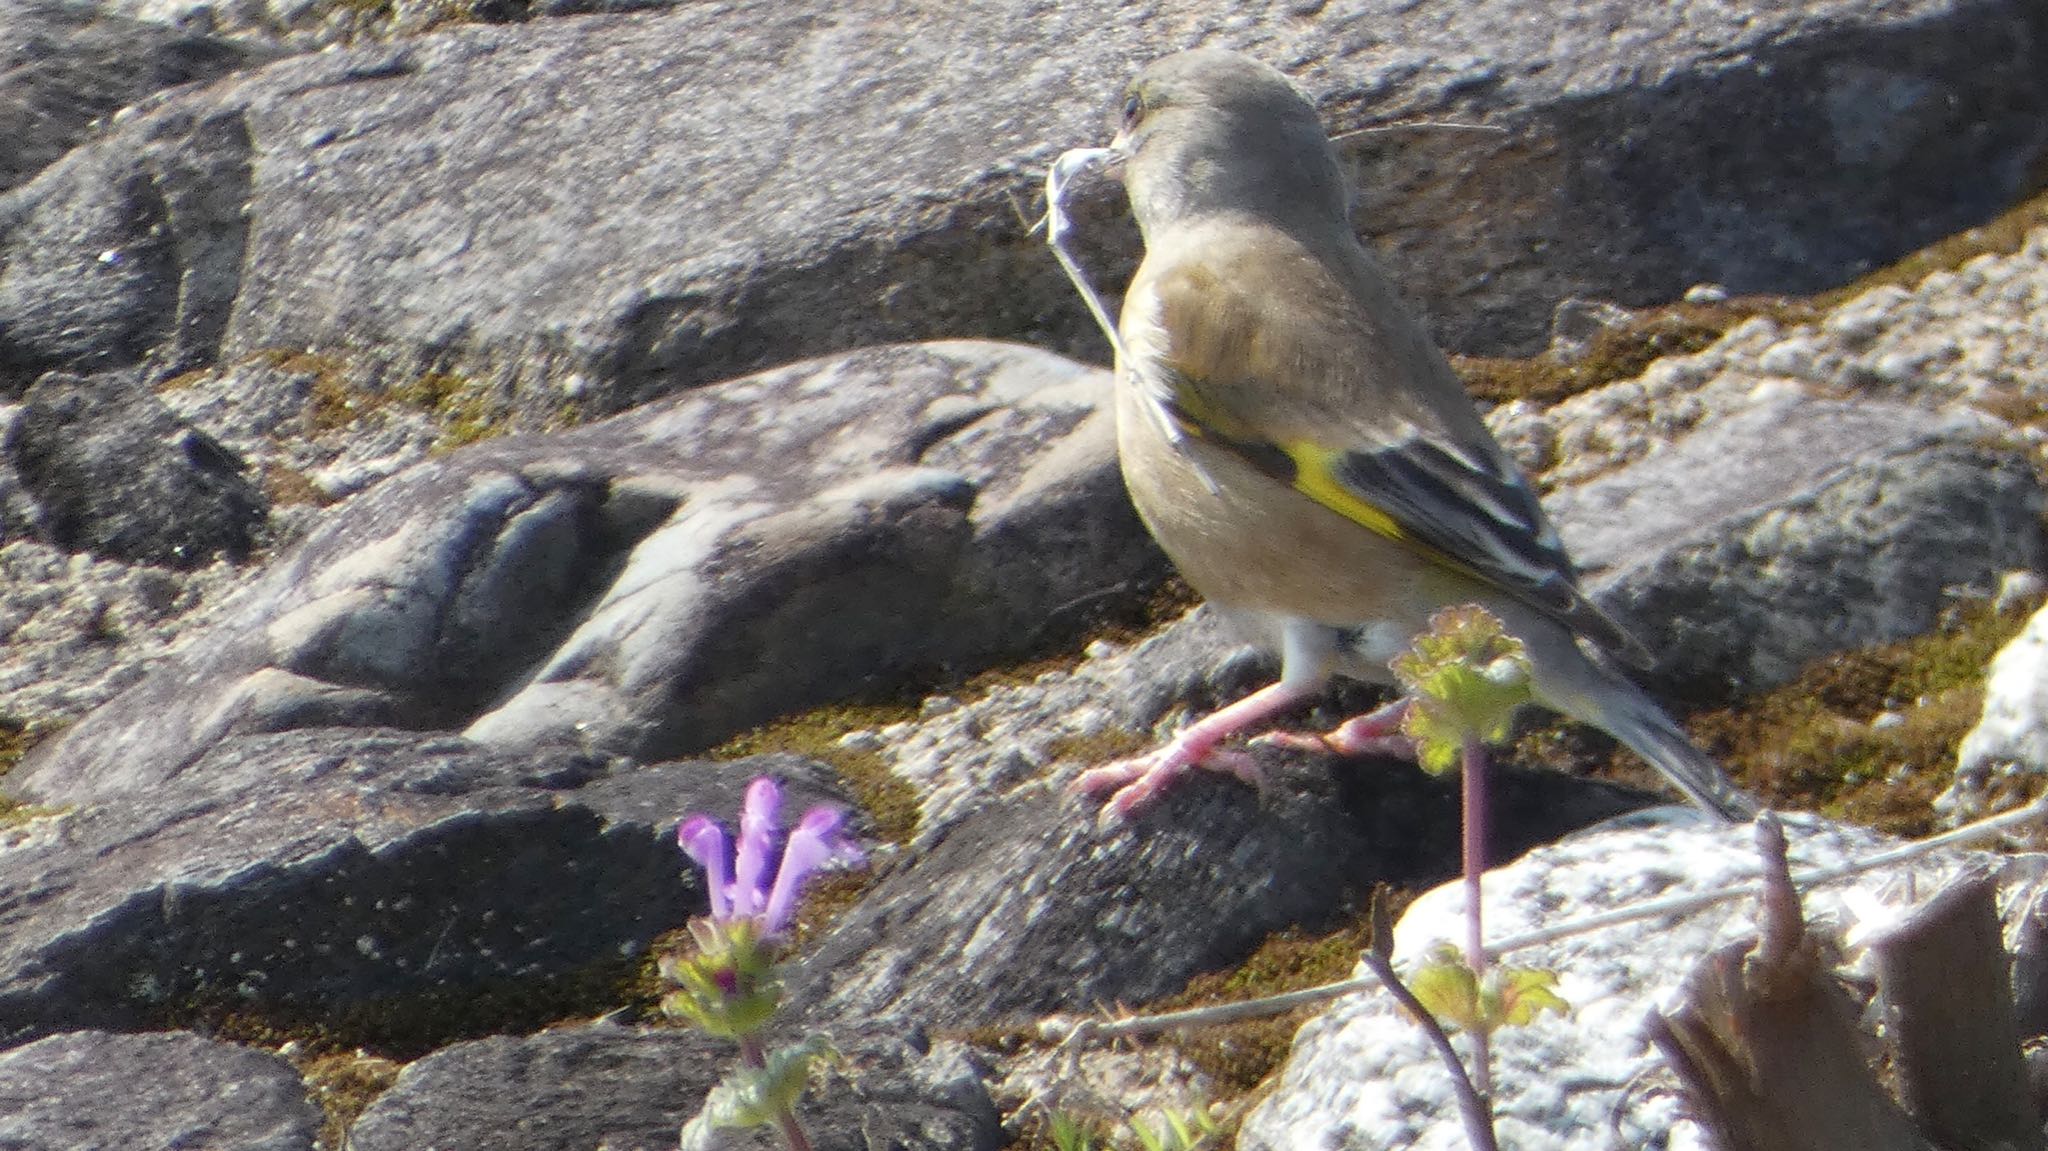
111 265
632 1089
654 583
65 67
104 467
1361 1075
2002 760
91 1089
1017 904
1799 527
627 1089
668 199
417 868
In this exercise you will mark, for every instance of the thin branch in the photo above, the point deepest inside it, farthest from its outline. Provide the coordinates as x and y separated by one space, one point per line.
1472 1106
1064 1027
1983 829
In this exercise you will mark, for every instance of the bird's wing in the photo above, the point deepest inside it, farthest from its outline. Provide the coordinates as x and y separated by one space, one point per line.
1356 410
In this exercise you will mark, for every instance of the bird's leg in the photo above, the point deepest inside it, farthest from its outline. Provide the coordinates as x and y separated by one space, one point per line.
1138 781
1376 732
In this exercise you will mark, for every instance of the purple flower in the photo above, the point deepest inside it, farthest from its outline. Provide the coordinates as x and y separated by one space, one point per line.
763 879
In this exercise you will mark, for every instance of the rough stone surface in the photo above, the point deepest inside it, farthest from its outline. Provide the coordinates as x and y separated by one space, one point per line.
416 865
91 1089
887 1092
103 467
2003 759
66 66
632 1089
609 209
1798 527
1021 905
654 583
1971 335
623 1088
1362 1076
78 630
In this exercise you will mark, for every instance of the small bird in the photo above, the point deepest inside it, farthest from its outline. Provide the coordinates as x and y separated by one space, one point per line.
1304 452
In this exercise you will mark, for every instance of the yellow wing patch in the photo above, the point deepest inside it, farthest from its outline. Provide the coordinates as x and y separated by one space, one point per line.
1314 477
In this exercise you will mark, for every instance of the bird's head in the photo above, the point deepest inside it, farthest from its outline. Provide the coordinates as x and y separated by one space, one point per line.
1211 131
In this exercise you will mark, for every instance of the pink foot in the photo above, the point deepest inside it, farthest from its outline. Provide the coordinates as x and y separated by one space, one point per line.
1374 733
1136 783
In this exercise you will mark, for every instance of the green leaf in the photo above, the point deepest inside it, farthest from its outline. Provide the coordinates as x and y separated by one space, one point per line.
730 988
759 1096
1068 1134
1503 997
1465 677
1448 989
1520 994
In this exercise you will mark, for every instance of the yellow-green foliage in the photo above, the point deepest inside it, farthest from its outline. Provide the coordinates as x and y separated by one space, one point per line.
344 1084
465 408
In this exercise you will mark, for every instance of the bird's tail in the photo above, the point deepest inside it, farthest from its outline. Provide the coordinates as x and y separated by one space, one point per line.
1632 717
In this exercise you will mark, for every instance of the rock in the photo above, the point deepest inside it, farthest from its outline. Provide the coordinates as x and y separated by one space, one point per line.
65 67
93 1089
2002 760
1575 324
623 1088
885 1092
1964 337
1800 527
1362 1076
632 1089
1019 905
420 869
700 221
104 467
111 266
655 583
78 630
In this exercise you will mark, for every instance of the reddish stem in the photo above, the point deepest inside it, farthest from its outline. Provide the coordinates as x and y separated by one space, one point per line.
1474 772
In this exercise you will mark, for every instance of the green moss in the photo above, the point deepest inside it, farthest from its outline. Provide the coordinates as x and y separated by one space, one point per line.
409 1025
16 738
888 800
466 409
2000 237
1618 353
284 485
344 1084
1810 744
1624 352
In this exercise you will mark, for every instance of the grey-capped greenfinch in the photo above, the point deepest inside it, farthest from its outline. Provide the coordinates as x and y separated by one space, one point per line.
1304 452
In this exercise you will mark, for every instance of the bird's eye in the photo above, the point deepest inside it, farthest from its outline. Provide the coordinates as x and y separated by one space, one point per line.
1134 107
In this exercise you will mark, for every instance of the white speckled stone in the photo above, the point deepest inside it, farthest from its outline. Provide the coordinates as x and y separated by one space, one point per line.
1362 1076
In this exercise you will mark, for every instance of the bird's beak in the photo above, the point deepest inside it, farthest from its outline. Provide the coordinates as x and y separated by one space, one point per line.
1116 156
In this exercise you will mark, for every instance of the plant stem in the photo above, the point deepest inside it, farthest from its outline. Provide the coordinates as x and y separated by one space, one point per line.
754 1055
1474 772
1472 1106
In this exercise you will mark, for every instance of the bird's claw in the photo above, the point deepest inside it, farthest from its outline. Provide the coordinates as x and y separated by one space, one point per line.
1134 784
1374 733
